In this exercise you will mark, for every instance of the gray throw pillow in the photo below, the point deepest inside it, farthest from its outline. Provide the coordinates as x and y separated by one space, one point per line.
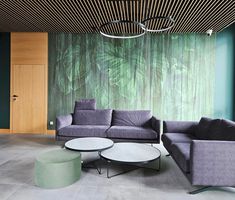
225 131
203 128
214 132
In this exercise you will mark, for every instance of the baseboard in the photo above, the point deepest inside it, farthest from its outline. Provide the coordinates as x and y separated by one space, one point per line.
5 131
51 132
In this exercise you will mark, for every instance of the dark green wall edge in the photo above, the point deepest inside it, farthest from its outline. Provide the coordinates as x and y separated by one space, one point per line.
224 74
4 80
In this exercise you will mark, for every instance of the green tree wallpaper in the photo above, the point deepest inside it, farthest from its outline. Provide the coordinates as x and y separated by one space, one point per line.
170 74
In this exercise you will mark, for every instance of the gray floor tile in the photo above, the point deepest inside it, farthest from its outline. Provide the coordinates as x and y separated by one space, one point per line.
18 153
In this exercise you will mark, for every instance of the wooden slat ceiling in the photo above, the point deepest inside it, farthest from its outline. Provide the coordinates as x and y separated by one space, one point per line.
86 16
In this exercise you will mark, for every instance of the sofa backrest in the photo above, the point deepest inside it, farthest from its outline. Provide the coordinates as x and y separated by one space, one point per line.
92 117
187 127
141 118
85 104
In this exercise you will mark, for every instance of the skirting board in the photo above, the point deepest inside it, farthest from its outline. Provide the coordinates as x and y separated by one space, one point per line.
51 132
5 131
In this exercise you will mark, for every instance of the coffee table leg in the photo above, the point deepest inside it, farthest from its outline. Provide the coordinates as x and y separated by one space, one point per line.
92 165
97 168
159 163
108 163
135 167
123 172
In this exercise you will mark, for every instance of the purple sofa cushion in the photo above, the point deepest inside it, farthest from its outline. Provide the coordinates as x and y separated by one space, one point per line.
83 131
131 118
131 132
170 138
181 154
85 104
92 117
223 130
203 128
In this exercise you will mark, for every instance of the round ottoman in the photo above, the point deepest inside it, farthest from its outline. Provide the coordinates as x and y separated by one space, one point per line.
57 168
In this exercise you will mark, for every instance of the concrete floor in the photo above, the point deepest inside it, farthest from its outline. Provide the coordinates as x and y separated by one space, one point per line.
17 156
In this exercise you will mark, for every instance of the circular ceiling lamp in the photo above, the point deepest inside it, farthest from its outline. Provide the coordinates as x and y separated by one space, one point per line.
139 25
167 19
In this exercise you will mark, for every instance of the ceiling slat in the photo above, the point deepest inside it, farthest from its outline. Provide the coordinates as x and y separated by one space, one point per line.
77 16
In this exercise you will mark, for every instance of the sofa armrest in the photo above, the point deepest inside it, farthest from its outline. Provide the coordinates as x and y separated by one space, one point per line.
188 127
212 162
63 121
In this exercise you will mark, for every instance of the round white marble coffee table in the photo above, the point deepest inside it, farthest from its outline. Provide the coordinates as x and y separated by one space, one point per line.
131 153
89 144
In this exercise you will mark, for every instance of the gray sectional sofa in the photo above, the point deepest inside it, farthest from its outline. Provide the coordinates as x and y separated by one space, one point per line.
204 151
118 125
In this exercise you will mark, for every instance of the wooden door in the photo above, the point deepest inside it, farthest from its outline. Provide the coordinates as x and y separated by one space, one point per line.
28 99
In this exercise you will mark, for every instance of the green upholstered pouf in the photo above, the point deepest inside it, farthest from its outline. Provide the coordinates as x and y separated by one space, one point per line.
57 168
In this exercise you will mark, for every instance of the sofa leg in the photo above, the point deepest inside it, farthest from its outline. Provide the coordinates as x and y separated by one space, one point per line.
200 190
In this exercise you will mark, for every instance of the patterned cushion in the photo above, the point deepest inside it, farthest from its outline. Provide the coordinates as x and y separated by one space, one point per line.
93 117
131 118
85 104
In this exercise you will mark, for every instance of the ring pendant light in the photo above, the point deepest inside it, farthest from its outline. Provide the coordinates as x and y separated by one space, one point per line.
121 22
139 24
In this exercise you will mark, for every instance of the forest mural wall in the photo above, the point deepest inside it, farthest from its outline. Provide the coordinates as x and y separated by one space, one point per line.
170 74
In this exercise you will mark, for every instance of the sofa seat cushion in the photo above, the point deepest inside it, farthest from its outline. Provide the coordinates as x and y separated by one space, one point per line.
131 132
170 138
83 131
131 118
181 154
93 117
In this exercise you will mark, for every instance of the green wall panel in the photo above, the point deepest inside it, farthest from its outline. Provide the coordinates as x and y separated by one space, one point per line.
224 84
171 74
4 80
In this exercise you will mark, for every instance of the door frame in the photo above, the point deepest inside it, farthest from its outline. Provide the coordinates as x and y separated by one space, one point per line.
37 44
11 99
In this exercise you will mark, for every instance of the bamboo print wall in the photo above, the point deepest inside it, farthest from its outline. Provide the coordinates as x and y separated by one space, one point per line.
170 74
